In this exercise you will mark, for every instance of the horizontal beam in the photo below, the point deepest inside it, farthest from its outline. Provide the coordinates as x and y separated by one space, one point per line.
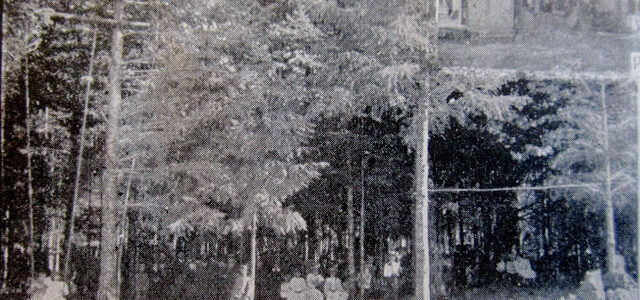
92 19
511 74
508 189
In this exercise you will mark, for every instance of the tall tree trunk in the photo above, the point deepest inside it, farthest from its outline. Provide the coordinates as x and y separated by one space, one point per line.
27 100
461 224
5 250
254 258
5 246
463 266
350 233
306 247
487 243
107 282
609 218
76 186
319 240
58 249
545 227
362 219
51 254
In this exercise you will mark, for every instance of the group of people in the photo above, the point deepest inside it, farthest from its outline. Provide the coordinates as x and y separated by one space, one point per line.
48 288
314 286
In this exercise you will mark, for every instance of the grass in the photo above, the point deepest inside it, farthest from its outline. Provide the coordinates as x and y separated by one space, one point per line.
544 51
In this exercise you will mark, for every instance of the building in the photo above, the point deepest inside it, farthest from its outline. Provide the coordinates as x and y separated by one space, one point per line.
504 17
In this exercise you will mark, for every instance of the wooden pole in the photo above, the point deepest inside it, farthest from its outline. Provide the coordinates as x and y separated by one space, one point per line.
79 160
421 222
362 239
107 282
98 20
638 179
609 217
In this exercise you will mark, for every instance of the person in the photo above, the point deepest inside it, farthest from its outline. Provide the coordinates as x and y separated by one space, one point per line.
241 285
142 283
333 289
298 286
314 279
364 278
38 286
314 282
286 288
44 288
391 273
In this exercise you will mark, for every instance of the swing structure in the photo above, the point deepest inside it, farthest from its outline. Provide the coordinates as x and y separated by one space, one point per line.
421 223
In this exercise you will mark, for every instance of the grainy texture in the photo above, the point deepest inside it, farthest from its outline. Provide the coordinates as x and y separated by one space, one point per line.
320 149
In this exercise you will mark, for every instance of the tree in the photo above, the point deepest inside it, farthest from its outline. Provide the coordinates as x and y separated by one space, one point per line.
227 150
54 49
593 147
25 28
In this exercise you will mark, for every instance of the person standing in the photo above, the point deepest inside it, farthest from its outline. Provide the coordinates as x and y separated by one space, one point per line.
240 289
391 274
364 279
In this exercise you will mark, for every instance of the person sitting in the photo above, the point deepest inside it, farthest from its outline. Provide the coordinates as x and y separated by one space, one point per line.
295 288
286 288
333 289
314 282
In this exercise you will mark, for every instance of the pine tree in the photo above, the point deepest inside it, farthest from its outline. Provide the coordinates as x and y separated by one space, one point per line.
593 147
227 148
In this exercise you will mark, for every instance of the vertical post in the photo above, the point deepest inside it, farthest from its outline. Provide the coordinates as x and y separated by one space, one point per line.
635 69
421 222
107 282
638 178
609 218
